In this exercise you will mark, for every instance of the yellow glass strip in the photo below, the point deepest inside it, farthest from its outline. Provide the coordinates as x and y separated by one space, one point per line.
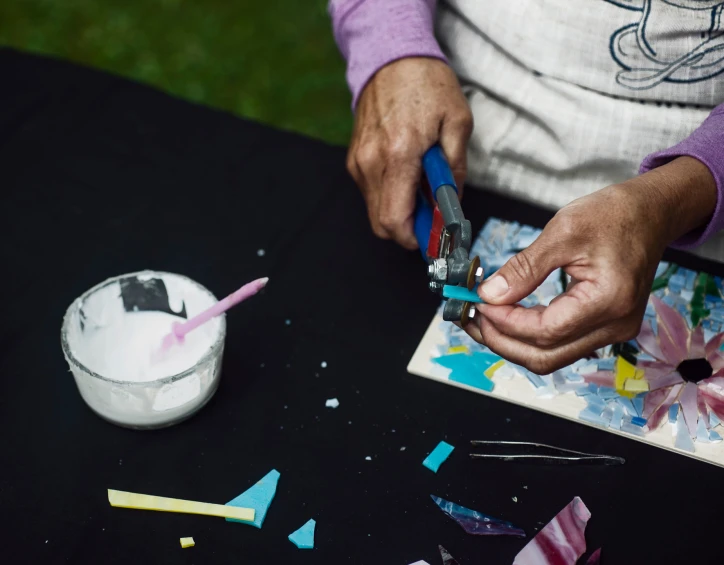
458 349
187 542
123 499
490 371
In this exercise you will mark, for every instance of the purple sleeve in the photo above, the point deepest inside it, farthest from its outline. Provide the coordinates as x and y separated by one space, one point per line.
707 145
373 33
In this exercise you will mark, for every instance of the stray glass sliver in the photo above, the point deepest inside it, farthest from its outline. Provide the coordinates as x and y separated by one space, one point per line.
560 455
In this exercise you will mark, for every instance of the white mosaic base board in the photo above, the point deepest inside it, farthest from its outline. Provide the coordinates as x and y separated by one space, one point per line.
519 390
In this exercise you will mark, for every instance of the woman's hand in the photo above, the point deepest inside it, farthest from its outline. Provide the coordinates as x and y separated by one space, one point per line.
610 244
405 109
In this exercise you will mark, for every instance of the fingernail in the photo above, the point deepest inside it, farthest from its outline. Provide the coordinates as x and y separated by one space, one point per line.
494 287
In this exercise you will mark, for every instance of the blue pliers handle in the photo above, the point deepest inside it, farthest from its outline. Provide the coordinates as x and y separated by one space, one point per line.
438 173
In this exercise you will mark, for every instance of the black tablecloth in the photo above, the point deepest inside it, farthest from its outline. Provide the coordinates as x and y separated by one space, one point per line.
100 176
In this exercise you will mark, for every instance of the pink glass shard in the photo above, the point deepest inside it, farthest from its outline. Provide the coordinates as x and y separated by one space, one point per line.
562 541
713 345
601 378
653 373
712 389
653 400
595 558
696 347
648 342
716 360
702 407
673 332
476 523
688 407
660 413
662 381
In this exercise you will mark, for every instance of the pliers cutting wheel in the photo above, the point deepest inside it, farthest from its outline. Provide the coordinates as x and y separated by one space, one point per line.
445 236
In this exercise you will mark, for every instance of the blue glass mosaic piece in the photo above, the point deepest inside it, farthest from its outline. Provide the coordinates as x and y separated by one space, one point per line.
593 416
617 416
606 364
661 269
640 422
702 434
303 538
607 393
628 427
469 369
477 523
628 406
638 404
536 380
683 439
714 420
673 412
438 456
714 436
259 497
595 402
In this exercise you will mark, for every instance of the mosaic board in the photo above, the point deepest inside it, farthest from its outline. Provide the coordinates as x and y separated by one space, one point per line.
664 388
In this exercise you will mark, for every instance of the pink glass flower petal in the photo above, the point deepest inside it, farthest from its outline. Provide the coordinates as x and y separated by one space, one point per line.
713 345
673 332
595 558
601 378
653 400
703 409
562 541
655 365
648 342
689 408
716 360
661 412
712 389
662 381
696 347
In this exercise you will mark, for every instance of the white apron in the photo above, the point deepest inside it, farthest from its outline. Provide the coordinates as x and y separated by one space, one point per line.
569 96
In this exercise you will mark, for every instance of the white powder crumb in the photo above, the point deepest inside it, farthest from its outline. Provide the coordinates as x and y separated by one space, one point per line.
46 541
288 322
368 458
120 461
260 252
403 448
350 422
525 487
515 499
324 365
332 403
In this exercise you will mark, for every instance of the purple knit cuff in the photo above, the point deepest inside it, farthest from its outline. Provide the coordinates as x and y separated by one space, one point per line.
373 33
707 145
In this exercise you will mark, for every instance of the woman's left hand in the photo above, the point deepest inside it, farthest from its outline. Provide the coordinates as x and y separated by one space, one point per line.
610 244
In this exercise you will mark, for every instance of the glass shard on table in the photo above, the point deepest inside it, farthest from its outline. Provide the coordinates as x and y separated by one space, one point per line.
476 523
562 541
438 456
259 497
595 558
303 538
447 559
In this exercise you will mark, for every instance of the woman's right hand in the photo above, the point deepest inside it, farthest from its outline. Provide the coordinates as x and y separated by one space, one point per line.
407 107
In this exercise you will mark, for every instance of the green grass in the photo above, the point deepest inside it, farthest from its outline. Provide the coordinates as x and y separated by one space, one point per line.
274 61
